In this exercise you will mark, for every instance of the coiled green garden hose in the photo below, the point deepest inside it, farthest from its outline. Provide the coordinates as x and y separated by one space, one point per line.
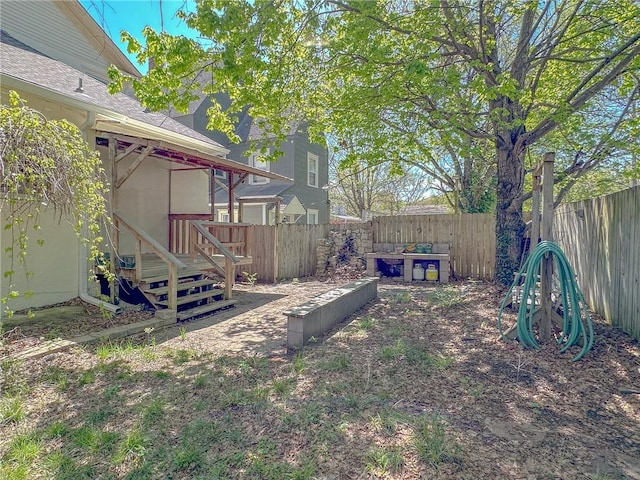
577 327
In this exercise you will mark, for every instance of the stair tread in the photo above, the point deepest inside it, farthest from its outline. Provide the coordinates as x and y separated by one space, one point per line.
181 286
203 309
162 275
195 297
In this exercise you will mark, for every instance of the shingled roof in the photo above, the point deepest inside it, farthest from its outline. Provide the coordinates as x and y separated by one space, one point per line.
23 63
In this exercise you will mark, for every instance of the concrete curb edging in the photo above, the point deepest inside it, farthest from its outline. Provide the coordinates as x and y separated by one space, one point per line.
317 316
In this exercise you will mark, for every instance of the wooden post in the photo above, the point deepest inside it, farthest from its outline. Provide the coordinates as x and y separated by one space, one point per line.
230 180
535 209
172 286
212 197
114 250
546 274
276 256
277 220
229 277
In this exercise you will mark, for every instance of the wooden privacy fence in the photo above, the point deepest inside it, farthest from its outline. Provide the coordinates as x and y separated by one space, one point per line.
289 251
471 236
285 251
601 239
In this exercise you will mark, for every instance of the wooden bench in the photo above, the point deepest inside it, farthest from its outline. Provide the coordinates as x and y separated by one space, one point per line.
317 316
440 253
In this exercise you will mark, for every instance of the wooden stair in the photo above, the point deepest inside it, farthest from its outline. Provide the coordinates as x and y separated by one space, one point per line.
198 294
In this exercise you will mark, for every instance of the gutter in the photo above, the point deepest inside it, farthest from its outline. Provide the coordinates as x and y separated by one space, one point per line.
83 270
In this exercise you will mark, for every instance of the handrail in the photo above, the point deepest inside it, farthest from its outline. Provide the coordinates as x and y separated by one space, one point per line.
198 225
171 260
158 249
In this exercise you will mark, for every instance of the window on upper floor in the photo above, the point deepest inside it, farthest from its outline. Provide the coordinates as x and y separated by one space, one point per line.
255 161
312 170
312 216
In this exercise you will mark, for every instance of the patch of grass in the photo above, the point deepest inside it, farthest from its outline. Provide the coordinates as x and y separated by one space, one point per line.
106 350
54 333
99 416
161 374
12 410
183 334
185 459
395 331
87 377
381 461
153 411
234 397
383 422
299 363
431 442
24 449
57 376
148 353
94 440
446 296
200 434
335 364
183 355
57 429
200 381
282 387
253 365
402 297
12 381
417 356
365 323
310 414
133 447
259 395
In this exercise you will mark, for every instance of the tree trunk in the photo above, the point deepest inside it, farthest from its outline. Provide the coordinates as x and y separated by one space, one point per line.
509 223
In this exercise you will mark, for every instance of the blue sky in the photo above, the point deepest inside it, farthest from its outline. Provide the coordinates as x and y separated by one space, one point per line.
133 15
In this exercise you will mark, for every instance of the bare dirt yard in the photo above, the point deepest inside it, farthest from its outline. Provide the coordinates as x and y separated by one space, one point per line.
416 385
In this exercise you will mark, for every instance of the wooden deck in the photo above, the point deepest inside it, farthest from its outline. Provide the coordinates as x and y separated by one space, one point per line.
153 267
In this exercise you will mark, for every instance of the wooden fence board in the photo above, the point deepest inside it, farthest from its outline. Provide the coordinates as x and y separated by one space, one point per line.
601 238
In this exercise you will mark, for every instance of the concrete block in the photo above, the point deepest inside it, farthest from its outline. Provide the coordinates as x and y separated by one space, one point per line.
317 316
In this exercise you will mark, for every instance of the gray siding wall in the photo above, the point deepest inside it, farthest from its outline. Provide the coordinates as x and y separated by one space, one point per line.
311 197
292 164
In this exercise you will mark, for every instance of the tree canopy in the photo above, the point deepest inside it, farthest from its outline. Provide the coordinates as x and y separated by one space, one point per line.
469 91
45 166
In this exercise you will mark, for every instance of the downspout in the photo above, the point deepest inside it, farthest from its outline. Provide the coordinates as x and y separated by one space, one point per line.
83 271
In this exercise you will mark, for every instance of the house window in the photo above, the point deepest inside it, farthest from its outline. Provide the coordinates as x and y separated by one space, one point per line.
312 216
220 173
312 170
254 161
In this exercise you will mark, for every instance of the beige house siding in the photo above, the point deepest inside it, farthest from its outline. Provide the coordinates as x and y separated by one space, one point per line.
66 32
54 265
190 191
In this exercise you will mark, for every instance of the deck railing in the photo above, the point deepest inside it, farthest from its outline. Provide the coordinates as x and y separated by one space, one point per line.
236 237
194 234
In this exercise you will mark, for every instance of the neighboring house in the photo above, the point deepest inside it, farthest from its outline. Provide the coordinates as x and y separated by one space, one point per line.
55 56
260 200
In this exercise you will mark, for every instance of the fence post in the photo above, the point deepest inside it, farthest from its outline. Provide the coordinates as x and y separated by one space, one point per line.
547 235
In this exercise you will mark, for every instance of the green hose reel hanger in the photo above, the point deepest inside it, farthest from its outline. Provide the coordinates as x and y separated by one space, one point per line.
577 328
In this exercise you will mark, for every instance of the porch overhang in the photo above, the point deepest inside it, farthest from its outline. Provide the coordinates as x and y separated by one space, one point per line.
184 153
